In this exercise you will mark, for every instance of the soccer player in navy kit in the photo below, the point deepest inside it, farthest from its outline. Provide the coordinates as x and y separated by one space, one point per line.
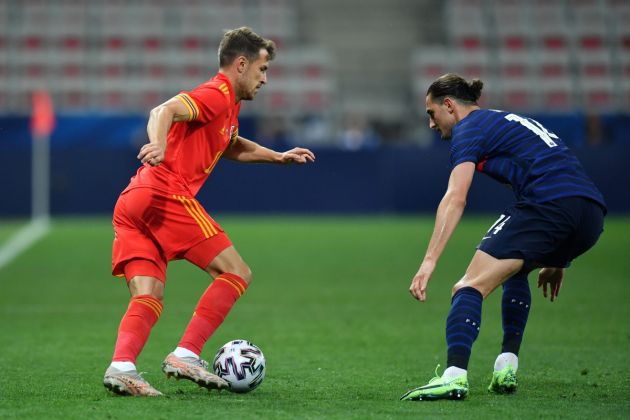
557 216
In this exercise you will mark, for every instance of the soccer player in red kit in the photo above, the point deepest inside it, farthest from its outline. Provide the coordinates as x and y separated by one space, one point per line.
157 218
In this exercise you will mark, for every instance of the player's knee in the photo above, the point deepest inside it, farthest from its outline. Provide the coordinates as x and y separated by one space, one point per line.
464 282
456 288
155 294
146 285
245 273
242 270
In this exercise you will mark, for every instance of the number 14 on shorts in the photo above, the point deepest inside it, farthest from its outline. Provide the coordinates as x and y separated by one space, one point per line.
497 226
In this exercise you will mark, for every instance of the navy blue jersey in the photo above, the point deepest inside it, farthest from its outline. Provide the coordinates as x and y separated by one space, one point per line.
520 152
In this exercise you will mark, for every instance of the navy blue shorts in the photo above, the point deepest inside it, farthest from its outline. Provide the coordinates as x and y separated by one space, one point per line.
549 234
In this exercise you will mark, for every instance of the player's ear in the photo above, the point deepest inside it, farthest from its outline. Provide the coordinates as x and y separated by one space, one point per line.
449 103
241 63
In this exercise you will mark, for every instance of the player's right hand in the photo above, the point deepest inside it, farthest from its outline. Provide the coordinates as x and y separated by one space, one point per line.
151 153
418 288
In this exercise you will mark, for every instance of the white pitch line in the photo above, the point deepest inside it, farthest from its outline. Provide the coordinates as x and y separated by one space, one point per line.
22 240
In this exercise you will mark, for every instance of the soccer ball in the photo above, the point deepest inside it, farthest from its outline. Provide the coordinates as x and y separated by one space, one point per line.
241 364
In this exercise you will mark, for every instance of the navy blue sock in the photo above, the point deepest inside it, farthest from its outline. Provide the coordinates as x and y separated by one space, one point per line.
462 326
515 304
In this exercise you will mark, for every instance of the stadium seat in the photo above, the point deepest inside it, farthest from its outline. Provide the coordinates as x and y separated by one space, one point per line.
623 66
594 64
515 66
597 94
549 27
556 95
513 29
624 94
553 78
472 63
590 26
279 100
518 96
430 63
619 18
516 76
466 24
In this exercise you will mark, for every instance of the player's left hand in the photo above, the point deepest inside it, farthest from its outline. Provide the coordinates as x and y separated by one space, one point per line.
297 155
551 277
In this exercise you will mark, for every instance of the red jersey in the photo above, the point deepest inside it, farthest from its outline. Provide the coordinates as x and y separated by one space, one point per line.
194 147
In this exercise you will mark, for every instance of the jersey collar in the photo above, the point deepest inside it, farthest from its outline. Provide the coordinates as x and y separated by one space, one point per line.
222 77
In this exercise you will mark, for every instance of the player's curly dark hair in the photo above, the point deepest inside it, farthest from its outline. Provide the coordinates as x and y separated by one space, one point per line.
243 41
456 87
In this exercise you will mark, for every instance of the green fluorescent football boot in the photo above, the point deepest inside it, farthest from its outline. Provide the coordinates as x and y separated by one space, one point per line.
503 381
439 388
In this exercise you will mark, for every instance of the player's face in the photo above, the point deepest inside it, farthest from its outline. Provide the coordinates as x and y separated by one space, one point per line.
440 118
254 76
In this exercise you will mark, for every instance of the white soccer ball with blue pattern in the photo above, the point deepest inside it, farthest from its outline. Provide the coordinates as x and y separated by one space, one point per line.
241 364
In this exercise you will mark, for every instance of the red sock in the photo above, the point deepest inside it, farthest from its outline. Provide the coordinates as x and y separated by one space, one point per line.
135 326
211 310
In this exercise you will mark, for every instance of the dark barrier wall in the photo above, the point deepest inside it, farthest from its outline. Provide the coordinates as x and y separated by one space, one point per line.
86 178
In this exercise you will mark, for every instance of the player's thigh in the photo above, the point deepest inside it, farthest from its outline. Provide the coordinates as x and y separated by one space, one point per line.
485 272
180 223
529 232
134 251
217 255
192 234
229 261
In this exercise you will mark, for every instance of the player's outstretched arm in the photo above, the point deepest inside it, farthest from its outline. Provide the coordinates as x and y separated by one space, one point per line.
160 121
552 277
244 150
448 214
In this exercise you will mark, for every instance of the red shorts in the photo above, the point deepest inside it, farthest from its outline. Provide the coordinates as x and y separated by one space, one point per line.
156 227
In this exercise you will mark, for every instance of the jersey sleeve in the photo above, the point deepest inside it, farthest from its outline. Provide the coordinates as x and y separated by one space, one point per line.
467 145
204 103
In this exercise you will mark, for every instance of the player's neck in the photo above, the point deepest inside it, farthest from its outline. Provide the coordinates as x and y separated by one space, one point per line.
232 77
463 111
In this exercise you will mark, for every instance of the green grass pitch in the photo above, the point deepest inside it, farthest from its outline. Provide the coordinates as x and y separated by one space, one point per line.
330 309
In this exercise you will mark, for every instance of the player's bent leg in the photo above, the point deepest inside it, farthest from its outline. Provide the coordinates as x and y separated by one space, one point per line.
485 273
439 388
231 279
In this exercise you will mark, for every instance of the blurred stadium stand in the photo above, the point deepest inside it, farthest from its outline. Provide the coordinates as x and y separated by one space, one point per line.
336 56
349 75
127 56
541 55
